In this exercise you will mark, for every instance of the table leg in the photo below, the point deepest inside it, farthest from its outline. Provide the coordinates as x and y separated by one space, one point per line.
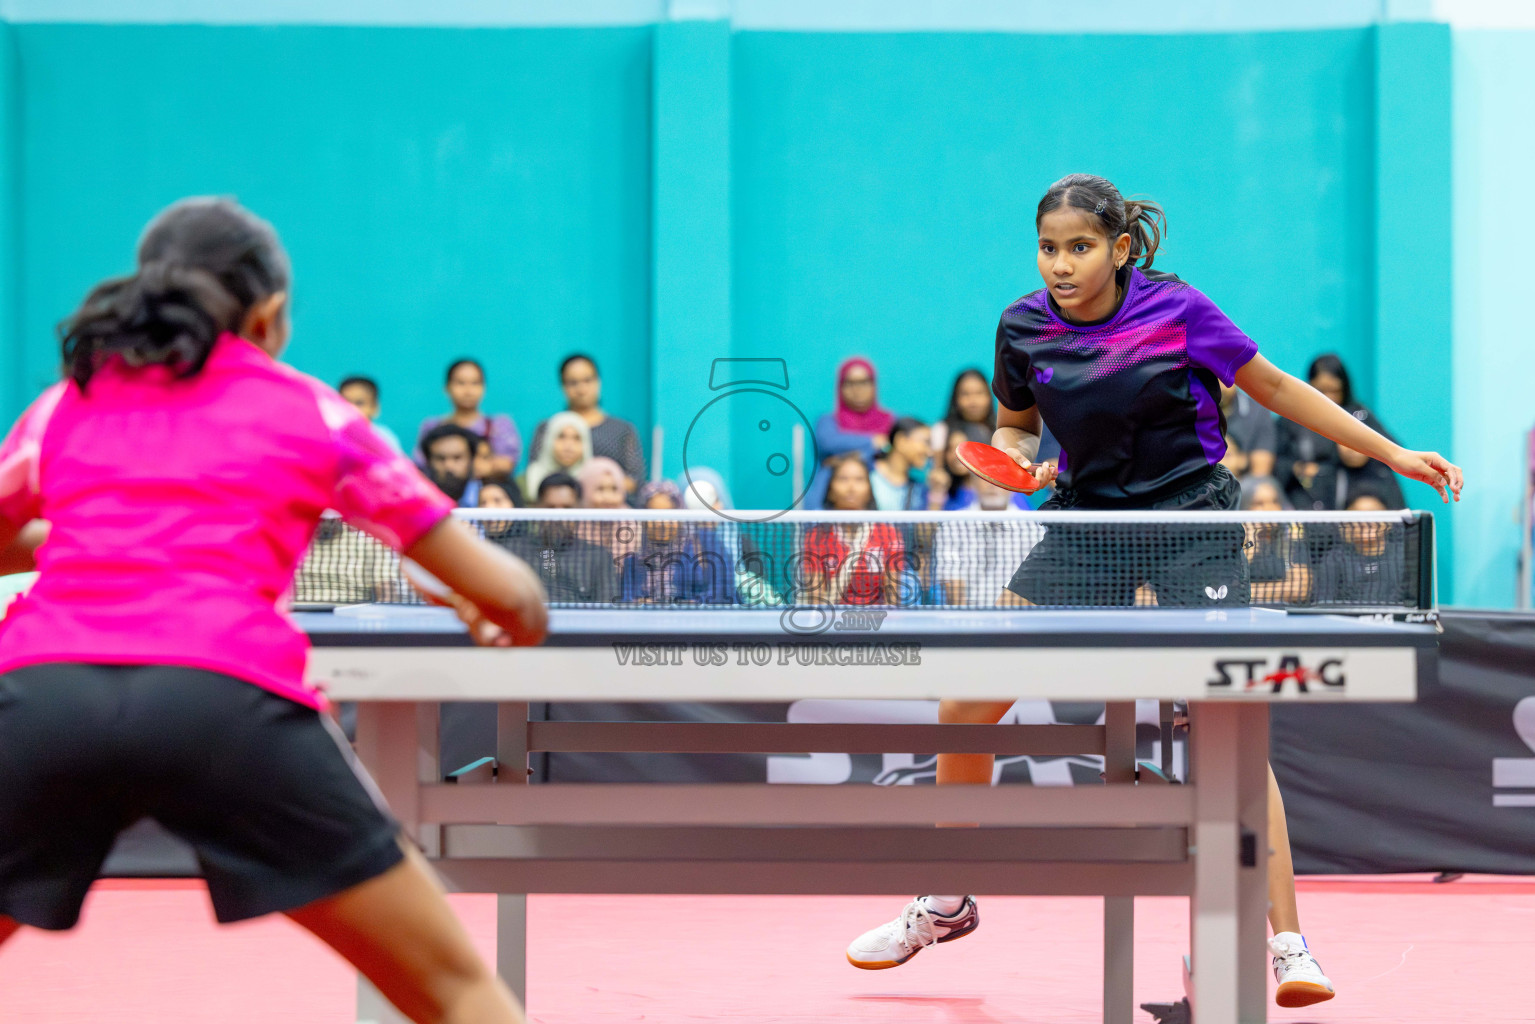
512 943
1215 934
385 729
512 908
1253 898
1118 959
1119 911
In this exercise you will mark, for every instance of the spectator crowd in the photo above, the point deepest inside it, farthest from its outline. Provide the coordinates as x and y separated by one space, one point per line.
872 459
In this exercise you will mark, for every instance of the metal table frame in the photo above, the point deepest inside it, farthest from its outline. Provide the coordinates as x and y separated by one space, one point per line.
489 831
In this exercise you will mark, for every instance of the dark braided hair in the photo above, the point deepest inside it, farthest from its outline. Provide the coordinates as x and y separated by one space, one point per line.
1142 219
203 263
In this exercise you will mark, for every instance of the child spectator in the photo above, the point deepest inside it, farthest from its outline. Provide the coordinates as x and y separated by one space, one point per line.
466 390
611 437
851 562
898 474
362 392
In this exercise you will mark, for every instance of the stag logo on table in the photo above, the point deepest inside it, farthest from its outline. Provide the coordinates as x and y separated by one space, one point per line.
1287 673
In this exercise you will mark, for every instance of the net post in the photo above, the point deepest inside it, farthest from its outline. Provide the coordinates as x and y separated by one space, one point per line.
1428 583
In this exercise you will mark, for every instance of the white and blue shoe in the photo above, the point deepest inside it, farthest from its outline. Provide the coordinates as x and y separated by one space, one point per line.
920 925
1300 977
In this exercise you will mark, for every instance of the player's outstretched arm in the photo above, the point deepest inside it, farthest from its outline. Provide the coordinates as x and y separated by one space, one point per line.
494 591
1295 400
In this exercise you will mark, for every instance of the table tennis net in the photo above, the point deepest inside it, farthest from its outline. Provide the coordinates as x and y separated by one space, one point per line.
645 559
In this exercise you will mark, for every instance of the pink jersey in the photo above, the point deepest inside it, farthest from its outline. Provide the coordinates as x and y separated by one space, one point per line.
180 510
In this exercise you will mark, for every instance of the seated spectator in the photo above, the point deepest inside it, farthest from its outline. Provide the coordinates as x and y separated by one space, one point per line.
563 446
858 424
611 437
574 570
602 484
1251 434
1367 568
971 405
449 451
345 566
898 474
483 469
973 562
466 390
851 562
603 487
1301 453
1278 559
495 494
362 392
1338 478
676 563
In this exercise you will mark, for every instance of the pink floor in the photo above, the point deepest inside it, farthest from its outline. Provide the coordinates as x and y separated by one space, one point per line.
1401 951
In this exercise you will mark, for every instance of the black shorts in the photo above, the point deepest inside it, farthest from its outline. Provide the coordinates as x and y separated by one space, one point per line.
1102 565
265 790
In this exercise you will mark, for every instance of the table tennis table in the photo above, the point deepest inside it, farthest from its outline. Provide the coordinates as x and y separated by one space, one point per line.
1203 836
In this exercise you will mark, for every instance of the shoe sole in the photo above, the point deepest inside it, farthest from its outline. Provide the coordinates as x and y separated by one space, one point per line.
1294 994
884 965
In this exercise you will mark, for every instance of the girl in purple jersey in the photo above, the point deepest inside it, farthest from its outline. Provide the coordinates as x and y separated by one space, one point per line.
166 492
1124 364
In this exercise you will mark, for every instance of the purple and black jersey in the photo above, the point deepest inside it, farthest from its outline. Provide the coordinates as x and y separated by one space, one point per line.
1133 398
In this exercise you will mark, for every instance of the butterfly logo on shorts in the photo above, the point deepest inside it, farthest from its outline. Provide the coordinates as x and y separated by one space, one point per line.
1043 376
1216 594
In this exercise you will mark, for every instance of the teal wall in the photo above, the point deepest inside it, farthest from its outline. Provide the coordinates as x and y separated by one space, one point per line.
1494 351
663 195
442 192
883 210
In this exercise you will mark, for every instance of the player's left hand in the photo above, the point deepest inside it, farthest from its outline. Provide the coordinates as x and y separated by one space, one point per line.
1430 468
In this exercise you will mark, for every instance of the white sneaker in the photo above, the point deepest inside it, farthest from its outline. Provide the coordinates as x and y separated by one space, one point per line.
891 945
1300 977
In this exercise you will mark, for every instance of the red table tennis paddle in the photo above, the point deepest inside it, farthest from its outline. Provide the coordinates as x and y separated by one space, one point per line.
996 466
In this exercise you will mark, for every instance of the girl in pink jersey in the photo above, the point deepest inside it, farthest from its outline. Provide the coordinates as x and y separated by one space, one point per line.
166 491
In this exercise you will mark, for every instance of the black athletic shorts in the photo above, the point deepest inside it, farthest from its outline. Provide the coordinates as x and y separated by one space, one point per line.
265 790
1101 566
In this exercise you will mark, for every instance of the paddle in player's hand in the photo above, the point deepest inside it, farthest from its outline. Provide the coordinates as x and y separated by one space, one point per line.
435 591
997 467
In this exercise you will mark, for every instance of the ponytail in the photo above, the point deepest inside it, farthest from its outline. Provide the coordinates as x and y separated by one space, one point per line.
203 264
1142 219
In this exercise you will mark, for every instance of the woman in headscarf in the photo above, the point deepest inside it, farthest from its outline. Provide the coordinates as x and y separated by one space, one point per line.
567 447
676 561
858 424
603 486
